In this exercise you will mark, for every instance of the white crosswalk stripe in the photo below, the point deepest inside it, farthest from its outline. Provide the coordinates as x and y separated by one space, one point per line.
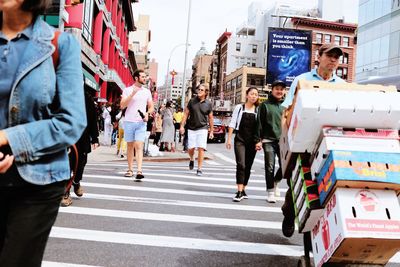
173 196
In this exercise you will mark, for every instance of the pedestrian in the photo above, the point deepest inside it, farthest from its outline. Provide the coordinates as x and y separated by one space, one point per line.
157 127
39 120
199 117
121 143
136 99
178 115
168 129
88 141
268 132
328 61
108 127
243 123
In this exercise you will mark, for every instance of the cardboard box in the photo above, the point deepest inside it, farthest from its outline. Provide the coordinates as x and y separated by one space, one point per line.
317 108
329 143
357 169
359 133
322 85
359 226
288 158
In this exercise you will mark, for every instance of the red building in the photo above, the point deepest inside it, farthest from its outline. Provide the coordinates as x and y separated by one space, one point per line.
342 34
102 27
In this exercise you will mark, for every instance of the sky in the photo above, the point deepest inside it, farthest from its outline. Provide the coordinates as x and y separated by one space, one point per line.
168 24
208 20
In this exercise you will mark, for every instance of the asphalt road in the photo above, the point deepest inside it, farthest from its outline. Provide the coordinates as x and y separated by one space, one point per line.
172 218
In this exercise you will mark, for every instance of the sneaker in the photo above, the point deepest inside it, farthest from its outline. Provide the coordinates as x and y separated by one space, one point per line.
191 165
66 200
287 227
199 172
276 191
271 197
78 190
239 196
244 195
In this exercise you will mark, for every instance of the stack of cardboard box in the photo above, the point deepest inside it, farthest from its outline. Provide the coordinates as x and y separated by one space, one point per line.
340 149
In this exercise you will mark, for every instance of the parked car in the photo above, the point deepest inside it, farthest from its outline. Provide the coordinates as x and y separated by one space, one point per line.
219 131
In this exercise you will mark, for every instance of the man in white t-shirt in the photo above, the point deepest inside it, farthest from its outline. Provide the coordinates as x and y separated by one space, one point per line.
136 99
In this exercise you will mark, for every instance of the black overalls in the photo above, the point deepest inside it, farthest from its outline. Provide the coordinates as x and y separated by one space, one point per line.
245 147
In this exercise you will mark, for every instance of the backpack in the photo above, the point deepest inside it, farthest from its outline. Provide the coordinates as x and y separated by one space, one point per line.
73 155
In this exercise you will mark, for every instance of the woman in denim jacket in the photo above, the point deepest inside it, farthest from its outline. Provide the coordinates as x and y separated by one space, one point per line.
38 121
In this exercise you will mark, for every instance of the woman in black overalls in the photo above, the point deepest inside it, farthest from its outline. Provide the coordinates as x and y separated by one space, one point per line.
243 122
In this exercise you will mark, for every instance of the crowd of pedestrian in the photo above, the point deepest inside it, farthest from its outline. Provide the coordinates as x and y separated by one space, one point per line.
33 178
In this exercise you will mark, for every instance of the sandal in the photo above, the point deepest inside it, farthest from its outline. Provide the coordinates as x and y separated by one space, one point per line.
129 173
139 175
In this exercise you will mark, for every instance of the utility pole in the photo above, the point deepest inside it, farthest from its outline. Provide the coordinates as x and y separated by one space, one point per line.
61 16
186 51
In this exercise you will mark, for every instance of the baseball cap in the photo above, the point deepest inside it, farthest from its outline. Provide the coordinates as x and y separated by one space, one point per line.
278 82
325 48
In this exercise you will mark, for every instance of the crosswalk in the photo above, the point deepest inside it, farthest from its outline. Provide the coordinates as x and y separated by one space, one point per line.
171 218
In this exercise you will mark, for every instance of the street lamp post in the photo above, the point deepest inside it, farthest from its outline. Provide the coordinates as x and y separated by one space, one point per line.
186 51
169 60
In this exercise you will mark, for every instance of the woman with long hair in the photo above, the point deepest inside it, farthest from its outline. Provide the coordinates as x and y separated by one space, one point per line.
243 122
42 113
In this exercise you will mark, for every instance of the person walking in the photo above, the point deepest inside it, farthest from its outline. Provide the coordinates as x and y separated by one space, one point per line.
88 141
136 99
108 127
121 143
42 113
268 132
328 61
178 115
157 127
199 117
243 122
168 129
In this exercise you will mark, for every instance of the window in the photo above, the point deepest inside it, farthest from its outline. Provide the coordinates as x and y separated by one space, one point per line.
346 41
318 38
337 40
345 58
254 48
339 72
238 47
344 73
265 48
327 38
88 21
239 81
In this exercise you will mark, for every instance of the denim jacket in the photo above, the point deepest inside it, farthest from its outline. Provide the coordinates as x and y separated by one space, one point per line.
44 119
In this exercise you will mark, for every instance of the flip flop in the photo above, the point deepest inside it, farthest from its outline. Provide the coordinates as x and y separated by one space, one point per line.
139 175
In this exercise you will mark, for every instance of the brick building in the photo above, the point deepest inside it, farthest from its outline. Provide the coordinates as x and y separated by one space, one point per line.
343 34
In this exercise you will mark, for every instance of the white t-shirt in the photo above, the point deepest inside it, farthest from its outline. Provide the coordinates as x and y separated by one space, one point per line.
138 102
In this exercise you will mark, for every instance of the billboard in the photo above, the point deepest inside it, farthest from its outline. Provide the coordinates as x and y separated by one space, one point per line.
289 54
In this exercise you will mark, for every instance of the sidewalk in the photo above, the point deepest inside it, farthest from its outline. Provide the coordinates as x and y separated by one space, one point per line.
109 154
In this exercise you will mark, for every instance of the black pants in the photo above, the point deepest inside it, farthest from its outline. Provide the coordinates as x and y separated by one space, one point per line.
288 205
271 149
244 154
157 138
81 167
27 214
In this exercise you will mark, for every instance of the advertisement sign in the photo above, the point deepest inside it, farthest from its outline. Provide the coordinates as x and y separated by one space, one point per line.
289 54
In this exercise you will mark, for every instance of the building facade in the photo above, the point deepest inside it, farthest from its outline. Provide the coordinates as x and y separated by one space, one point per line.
342 34
378 39
200 67
139 41
102 29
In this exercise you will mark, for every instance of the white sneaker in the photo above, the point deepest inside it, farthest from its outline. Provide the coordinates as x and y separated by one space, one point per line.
276 191
271 197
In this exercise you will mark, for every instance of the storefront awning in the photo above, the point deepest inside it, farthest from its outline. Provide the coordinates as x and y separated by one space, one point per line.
90 80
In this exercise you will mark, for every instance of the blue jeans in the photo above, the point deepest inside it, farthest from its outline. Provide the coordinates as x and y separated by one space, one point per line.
271 149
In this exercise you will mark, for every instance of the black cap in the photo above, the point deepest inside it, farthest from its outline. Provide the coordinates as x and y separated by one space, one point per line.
278 82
